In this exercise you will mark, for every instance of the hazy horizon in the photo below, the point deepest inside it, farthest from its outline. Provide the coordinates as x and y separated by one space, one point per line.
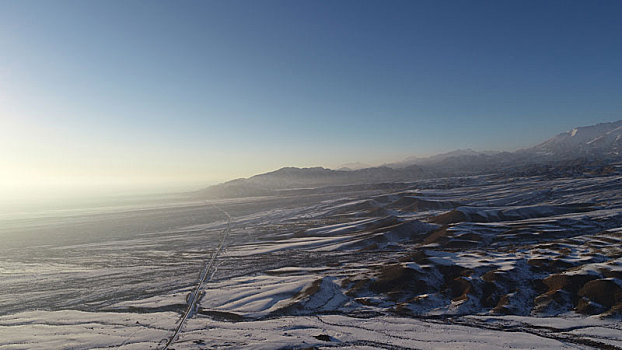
125 97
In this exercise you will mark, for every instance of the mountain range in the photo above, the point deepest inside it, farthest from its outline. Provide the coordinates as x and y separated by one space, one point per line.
583 149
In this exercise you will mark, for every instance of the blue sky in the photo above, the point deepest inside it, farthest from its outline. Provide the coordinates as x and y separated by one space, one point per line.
126 92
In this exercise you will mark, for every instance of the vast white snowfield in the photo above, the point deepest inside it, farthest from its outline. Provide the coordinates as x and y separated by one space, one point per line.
459 263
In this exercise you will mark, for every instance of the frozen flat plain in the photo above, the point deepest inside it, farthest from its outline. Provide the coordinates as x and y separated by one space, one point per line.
472 263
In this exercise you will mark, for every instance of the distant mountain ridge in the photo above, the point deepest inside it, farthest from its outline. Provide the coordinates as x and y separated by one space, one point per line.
354 166
568 150
301 178
437 158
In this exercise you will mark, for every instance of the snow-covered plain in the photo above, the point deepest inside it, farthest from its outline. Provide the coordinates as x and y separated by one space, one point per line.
471 263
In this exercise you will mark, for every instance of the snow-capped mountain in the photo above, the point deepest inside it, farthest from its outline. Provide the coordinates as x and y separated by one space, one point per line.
600 140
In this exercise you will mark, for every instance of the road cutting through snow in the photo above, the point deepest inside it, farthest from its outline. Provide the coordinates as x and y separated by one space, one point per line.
206 275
